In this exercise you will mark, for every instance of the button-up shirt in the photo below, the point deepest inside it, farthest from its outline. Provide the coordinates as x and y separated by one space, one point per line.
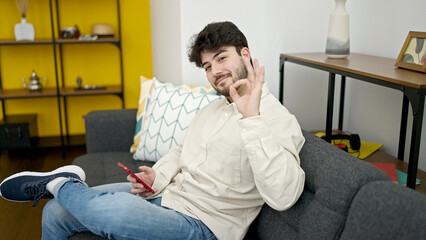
227 167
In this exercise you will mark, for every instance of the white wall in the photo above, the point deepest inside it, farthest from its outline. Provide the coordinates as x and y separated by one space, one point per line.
283 26
166 32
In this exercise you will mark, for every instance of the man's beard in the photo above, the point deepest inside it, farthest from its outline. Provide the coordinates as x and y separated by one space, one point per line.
240 73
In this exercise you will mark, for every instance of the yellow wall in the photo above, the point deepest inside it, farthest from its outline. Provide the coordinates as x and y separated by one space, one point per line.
95 63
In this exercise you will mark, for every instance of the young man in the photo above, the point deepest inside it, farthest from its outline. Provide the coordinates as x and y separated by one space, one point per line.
238 154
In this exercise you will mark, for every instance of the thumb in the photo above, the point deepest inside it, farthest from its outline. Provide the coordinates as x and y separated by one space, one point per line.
145 169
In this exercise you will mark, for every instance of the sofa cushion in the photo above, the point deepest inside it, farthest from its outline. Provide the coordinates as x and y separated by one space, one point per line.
333 177
101 168
384 210
167 117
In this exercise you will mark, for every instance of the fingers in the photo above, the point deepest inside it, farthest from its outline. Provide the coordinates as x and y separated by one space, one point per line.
240 83
239 88
260 73
131 179
146 169
249 67
255 73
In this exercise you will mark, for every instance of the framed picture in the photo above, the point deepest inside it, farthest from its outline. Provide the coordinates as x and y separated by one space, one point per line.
413 53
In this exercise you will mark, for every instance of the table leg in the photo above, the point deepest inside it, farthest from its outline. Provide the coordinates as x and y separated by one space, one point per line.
403 128
281 83
342 101
330 105
417 100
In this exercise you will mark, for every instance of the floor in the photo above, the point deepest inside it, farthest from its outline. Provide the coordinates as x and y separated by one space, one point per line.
21 220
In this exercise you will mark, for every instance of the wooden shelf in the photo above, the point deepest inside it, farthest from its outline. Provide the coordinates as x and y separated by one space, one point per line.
24 93
58 41
381 156
71 91
99 40
25 42
51 92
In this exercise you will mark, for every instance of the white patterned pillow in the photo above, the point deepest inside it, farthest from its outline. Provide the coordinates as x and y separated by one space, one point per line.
145 94
168 114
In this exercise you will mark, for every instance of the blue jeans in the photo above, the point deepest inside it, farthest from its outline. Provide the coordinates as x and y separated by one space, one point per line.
113 212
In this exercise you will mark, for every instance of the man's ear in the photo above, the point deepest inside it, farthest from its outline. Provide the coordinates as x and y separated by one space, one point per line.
245 52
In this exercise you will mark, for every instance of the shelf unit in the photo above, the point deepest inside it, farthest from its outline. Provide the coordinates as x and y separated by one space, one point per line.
61 92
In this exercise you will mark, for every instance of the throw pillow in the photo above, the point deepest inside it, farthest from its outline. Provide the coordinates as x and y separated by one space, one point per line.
145 92
167 117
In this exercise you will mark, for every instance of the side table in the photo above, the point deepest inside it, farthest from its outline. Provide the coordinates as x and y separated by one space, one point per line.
376 70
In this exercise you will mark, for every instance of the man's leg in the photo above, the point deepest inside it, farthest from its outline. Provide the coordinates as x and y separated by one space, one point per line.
58 223
117 215
120 215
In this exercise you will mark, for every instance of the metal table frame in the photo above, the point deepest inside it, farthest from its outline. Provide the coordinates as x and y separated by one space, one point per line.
414 96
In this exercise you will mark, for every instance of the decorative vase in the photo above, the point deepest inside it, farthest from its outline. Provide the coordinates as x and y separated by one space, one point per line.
338 32
24 30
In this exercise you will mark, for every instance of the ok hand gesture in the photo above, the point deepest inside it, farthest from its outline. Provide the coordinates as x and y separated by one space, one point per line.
246 93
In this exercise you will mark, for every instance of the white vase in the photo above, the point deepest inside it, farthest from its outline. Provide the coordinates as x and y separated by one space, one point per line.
338 32
24 31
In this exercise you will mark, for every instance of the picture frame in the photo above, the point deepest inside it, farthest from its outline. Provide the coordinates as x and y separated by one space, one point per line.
413 53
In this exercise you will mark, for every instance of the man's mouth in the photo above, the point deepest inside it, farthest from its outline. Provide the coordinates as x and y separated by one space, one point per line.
220 78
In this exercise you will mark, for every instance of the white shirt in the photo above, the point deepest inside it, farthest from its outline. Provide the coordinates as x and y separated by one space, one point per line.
228 167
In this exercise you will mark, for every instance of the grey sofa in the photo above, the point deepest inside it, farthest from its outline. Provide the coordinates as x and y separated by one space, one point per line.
344 197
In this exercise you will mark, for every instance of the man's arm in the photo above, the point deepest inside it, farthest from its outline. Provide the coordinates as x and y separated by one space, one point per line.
272 148
166 168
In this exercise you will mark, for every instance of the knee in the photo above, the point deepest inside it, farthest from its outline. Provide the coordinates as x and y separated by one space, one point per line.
52 213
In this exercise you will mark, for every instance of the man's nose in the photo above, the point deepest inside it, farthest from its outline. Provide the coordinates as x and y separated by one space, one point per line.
216 70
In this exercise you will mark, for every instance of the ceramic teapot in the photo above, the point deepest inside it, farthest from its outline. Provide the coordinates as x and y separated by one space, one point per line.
34 83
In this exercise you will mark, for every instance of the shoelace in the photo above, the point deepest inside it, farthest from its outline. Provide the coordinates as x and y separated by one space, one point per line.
38 191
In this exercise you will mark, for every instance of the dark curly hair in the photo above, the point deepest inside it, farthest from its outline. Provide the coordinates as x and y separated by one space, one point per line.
214 36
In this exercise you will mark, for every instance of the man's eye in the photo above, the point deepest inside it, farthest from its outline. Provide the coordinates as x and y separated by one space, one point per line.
207 68
221 59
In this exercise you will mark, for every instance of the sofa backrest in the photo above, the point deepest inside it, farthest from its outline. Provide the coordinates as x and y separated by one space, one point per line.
385 210
109 131
333 178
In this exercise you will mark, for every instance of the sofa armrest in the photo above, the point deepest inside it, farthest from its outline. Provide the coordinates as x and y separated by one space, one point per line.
385 210
110 130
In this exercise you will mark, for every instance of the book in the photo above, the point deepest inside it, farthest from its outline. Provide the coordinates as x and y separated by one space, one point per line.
402 178
389 169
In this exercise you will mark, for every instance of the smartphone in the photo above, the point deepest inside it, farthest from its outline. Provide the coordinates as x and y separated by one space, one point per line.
137 178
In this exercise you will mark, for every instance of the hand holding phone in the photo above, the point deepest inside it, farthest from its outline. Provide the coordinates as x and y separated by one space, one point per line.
136 177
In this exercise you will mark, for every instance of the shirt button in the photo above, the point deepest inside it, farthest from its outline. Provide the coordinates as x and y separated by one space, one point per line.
167 191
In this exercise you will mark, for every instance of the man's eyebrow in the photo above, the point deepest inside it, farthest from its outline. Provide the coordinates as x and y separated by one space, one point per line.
214 56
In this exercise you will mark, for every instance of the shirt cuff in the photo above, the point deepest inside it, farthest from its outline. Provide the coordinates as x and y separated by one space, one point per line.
253 128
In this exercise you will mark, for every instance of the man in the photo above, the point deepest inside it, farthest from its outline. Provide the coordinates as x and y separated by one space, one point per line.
238 153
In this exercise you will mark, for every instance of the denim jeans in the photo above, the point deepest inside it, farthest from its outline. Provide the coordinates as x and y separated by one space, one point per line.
113 212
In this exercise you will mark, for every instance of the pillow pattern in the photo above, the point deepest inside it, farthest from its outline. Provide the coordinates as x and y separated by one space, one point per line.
144 96
168 114
145 91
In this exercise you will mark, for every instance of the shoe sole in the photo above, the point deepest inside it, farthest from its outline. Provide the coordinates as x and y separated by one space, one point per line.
69 168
